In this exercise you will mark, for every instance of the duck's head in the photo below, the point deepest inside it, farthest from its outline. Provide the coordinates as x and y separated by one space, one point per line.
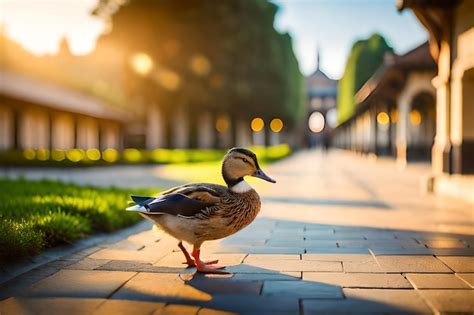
240 162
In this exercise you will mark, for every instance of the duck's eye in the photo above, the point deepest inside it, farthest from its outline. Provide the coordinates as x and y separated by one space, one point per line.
245 160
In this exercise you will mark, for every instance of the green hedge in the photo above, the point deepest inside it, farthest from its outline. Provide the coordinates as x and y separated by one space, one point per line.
94 157
39 214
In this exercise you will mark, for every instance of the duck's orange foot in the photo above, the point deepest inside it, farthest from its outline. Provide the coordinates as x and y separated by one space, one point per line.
214 269
191 263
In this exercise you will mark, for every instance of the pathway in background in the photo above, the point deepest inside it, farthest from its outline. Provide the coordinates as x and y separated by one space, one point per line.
337 233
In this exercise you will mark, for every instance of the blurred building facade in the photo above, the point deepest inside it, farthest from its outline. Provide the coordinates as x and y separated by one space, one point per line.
420 105
37 115
321 99
395 112
451 28
66 101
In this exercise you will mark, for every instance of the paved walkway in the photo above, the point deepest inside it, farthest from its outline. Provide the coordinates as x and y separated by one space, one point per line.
337 234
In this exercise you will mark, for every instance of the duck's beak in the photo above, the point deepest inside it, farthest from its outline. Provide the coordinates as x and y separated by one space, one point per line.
260 174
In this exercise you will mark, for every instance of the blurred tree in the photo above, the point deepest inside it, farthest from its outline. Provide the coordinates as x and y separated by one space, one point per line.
364 59
222 56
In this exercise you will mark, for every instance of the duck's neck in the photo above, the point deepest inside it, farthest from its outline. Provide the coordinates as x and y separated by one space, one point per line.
240 187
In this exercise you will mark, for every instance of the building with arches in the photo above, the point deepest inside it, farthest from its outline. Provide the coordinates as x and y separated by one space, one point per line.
321 103
395 112
450 25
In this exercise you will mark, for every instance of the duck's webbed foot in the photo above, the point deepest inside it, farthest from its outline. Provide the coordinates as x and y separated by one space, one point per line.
190 261
208 266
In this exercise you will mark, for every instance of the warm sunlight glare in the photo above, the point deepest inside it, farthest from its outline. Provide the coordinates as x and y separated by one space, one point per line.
39 25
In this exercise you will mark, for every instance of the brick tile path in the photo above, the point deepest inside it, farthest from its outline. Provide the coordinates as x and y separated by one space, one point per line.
337 234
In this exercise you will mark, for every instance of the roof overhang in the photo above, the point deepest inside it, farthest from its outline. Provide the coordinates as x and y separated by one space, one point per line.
436 17
27 89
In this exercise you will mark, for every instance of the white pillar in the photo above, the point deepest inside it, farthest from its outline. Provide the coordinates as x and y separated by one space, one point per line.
155 131
87 133
258 138
34 130
243 137
63 131
110 136
180 128
205 131
6 128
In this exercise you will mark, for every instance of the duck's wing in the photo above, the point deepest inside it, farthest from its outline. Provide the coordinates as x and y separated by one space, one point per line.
186 201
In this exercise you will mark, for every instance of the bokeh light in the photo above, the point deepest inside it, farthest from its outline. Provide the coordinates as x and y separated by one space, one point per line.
29 154
383 118
200 65
132 155
93 154
141 63
257 124
276 125
415 117
316 122
222 124
110 155
75 155
331 117
42 154
58 155
394 116
168 79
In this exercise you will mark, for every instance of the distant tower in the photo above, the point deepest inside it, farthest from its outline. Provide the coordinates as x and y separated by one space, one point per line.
64 48
318 58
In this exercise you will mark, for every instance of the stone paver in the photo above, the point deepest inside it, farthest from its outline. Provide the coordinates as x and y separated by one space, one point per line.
159 287
436 281
450 301
467 277
333 236
427 264
358 280
129 307
458 263
302 289
80 283
88 264
47 306
401 300
287 265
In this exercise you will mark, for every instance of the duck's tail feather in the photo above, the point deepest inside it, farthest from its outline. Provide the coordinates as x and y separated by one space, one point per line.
142 201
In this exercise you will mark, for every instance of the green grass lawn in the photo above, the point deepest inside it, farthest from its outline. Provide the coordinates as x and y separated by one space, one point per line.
39 214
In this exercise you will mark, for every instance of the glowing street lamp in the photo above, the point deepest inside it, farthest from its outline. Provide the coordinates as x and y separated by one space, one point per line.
383 118
257 124
415 117
316 122
276 125
141 63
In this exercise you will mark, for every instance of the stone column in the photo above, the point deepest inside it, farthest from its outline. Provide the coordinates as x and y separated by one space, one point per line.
155 128
243 136
7 129
62 131
87 133
224 131
258 138
34 130
181 130
462 109
205 131
110 136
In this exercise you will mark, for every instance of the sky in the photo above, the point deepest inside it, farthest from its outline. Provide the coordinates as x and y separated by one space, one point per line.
333 25
39 25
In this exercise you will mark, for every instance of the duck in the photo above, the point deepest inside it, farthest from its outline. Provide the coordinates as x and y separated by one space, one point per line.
198 212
